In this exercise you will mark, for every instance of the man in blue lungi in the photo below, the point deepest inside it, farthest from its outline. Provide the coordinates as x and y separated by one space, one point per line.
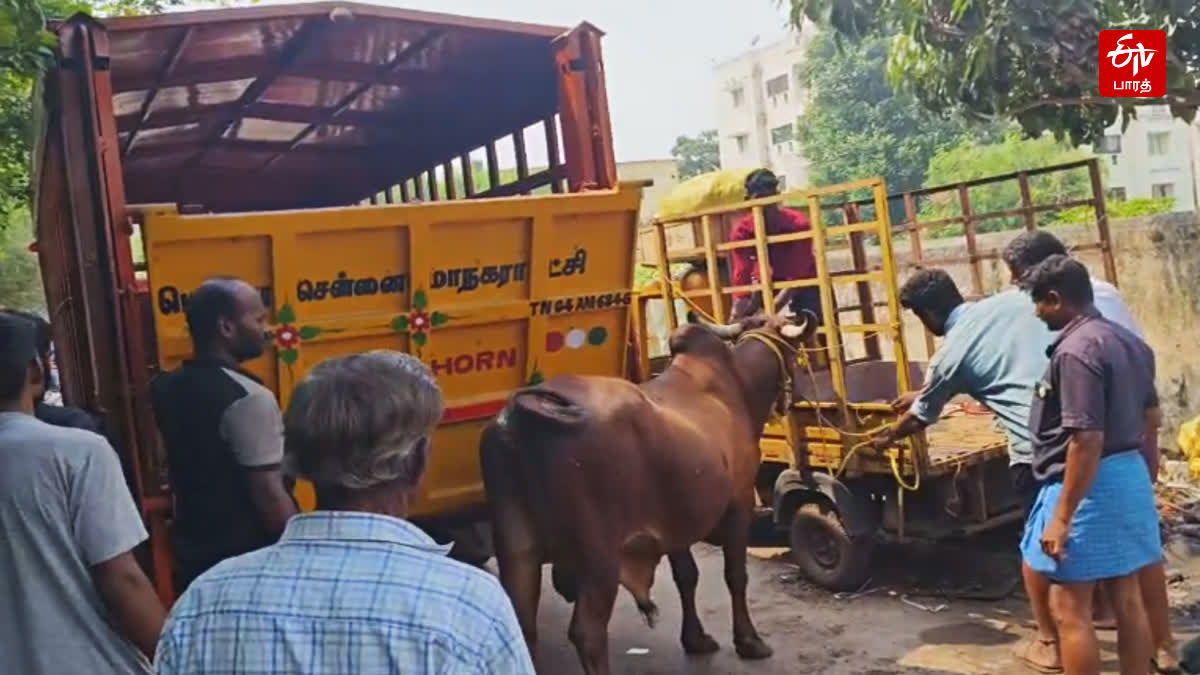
1094 521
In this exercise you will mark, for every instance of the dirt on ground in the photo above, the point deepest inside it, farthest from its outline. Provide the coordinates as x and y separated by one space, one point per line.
950 608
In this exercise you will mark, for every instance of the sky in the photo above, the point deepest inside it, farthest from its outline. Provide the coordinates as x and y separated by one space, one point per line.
659 56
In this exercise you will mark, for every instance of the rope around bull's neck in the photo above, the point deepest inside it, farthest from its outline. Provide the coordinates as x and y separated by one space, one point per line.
802 353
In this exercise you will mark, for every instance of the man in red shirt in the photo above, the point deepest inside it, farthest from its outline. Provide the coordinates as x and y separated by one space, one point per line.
789 261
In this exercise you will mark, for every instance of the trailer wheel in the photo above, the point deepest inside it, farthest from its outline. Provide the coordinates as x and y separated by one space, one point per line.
826 554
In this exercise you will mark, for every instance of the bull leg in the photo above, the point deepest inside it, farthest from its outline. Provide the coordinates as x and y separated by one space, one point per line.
737 536
687 577
593 610
519 554
521 577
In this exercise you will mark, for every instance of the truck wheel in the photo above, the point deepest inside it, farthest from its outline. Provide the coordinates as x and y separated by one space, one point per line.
825 552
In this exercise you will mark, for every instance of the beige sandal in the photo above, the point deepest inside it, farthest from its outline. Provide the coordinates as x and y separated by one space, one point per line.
1027 652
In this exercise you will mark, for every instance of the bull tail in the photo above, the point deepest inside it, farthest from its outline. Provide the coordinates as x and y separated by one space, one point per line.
537 410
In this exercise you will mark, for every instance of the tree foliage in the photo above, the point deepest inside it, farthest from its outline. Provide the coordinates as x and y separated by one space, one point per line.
26 47
697 155
970 160
856 125
1035 61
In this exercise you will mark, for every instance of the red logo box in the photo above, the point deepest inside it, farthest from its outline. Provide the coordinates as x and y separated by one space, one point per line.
1133 63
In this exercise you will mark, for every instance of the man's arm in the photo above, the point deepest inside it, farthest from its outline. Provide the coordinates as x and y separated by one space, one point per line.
942 384
1152 421
1080 385
253 426
107 527
1083 461
136 610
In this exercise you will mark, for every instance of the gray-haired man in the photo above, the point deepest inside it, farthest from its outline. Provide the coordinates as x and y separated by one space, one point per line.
351 587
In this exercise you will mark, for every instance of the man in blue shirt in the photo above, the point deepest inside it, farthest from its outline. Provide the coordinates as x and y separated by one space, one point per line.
352 587
994 350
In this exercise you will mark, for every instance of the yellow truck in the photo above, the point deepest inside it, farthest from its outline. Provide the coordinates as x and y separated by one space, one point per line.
348 160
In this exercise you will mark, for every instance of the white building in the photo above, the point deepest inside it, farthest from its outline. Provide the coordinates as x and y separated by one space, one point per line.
759 99
1154 157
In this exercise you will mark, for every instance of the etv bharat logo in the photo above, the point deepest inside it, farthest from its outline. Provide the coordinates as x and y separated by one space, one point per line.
1133 63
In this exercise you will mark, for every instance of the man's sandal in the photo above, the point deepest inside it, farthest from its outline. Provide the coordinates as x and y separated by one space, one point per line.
1174 670
1024 651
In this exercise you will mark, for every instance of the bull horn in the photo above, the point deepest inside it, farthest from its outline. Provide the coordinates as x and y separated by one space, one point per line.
793 331
728 331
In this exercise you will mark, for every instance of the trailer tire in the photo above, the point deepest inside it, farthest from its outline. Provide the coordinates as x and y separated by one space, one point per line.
826 554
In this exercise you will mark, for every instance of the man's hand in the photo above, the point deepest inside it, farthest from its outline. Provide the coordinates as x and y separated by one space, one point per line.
1054 538
905 401
884 439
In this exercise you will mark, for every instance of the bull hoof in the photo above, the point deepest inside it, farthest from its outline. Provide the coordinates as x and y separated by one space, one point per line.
754 649
699 644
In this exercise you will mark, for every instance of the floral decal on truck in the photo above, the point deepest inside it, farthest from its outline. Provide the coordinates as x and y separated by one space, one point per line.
289 336
419 320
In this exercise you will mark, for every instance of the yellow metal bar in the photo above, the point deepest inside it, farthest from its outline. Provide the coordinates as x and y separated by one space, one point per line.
710 262
664 273
866 328
764 261
643 336
887 254
686 253
837 364
732 245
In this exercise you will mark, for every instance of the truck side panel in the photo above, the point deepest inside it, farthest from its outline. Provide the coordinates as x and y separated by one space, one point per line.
491 294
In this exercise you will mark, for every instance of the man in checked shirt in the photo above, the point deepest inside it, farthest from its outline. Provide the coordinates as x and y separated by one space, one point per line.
351 587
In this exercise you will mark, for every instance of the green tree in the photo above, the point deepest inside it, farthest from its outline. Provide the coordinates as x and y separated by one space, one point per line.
856 125
26 47
1035 61
20 283
698 155
970 160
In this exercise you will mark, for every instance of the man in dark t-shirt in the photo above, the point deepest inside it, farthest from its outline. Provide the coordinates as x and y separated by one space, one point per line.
1095 519
58 415
223 434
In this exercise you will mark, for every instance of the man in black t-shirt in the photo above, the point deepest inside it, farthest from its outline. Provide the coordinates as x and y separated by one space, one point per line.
223 434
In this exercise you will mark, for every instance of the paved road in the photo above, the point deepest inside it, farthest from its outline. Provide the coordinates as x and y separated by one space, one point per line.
810 630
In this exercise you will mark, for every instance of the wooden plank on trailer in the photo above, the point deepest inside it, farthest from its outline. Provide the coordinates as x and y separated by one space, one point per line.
1110 266
710 262
964 199
1027 202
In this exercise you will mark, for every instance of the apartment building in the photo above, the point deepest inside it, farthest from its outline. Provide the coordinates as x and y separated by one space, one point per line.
759 98
1154 157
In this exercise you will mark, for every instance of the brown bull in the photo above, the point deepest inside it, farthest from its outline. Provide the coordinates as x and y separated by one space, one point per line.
602 477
